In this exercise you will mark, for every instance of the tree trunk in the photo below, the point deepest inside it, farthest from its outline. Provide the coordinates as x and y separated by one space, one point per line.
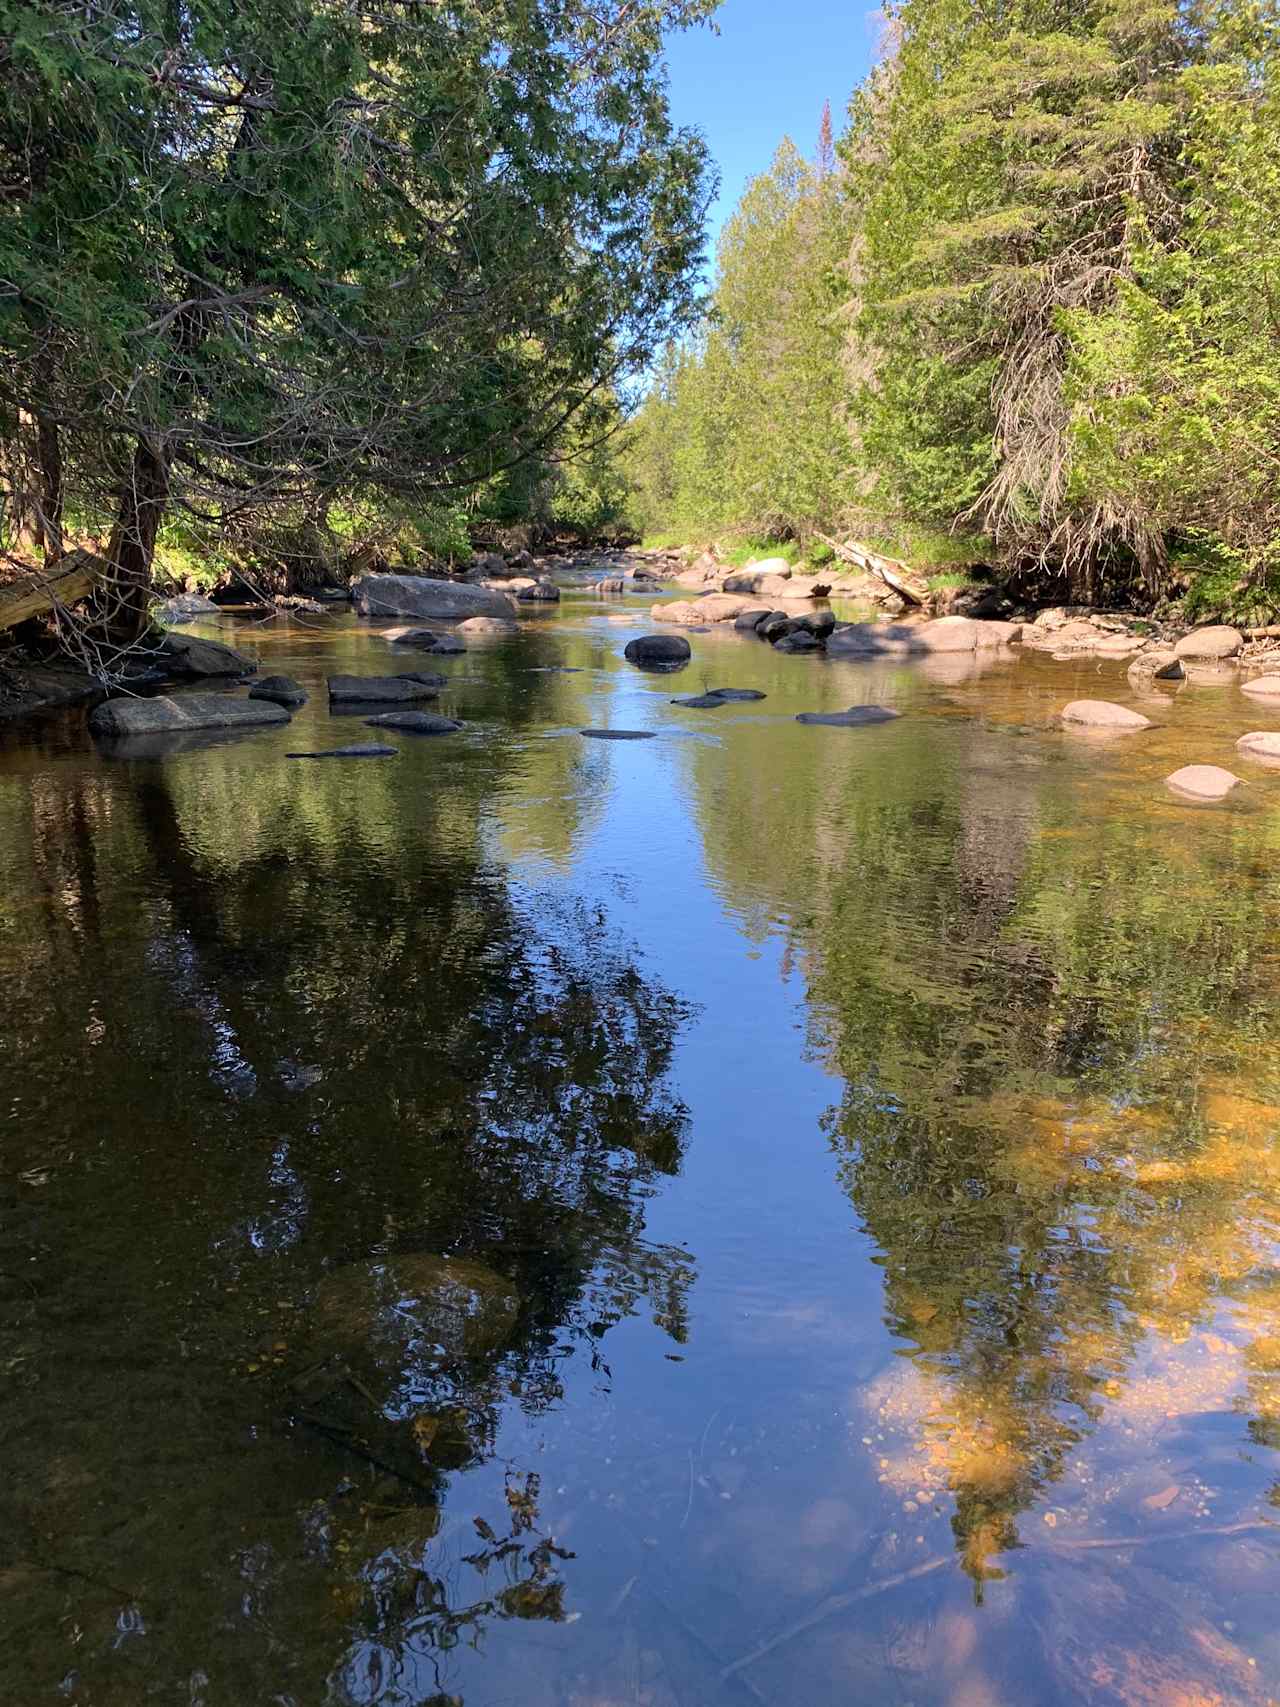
133 544
49 456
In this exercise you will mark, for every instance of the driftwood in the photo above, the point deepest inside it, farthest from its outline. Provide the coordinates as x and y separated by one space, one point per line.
73 578
899 577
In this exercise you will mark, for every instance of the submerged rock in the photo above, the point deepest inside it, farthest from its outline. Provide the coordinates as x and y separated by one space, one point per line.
664 650
701 702
411 1311
1261 744
619 734
357 750
372 690
737 693
1217 641
415 722
487 625
541 592
1203 782
425 679
283 690
1262 687
1102 714
424 596
164 716
856 717
798 639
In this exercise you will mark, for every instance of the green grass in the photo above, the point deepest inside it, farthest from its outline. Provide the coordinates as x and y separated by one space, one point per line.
934 550
944 578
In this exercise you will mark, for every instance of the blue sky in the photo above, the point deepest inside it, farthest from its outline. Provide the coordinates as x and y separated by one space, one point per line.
765 76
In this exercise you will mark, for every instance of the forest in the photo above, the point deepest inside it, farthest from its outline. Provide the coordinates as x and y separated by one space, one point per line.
1024 312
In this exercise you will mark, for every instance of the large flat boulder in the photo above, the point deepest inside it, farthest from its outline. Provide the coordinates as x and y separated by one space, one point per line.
1203 782
693 613
423 596
1262 687
658 650
1260 744
874 640
191 659
378 690
165 716
1102 714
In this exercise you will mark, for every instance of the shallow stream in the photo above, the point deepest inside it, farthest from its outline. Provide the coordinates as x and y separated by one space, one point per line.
872 1134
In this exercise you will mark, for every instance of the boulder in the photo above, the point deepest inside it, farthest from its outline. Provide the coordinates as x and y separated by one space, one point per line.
818 622
475 626
126 717
856 717
186 607
415 722
775 570
1217 641
749 620
422 596
1103 715
357 750
424 638
692 613
283 690
1261 744
539 593
184 656
619 734
1262 687
1159 664
611 584
448 643
964 634
775 626
737 693
1203 782
331 595
665 650
375 690
489 563
426 679
873 640
702 702
798 640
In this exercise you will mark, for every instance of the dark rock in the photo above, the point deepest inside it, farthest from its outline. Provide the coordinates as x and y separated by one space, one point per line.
423 596
541 592
126 717
370 690
856 717
775 626
451 643
750 620
702 702
331 595
414 722
798 640
660 650
818 622
190 659
619 734
737 693
358 750
425 679
282 689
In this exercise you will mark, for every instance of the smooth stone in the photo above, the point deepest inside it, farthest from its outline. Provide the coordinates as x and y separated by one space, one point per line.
423 637
1264 687
448 643
701 702
714 607
798 640
1261 744
282 689
874 640
358 750
369 690
737 693
477 625
1217 641
619 734
665 649
540 593
1102 714
415 722
185 656
425 679
856 717
750 620
1203 782
164 716
1160 665
425 596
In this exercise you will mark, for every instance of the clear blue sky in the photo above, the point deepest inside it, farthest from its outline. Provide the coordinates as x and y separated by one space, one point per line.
765 76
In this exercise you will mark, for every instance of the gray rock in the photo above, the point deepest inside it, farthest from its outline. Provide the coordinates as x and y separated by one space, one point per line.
492 626
358 750
425 639
798 640
415 722
775 626
737 693
702 701
660 650
374 690
856 717
164 716
423 596
818 622
331 595
425 679
449 643
282 689
186 607
618 734
184 656
750 620
540 593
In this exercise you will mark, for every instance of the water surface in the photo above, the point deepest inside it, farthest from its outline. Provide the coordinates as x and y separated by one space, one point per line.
877 1128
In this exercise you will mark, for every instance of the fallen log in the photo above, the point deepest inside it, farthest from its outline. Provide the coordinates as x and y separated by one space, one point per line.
898 577
71 579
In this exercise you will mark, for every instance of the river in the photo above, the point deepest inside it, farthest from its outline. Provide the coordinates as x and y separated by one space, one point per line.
874 1134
